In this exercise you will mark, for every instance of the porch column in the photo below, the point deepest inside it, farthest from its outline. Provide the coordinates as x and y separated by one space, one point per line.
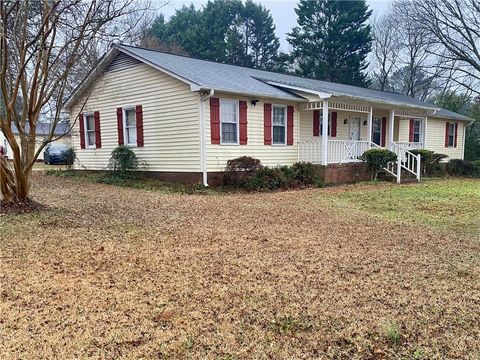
324 132
424 140
391 127
369 125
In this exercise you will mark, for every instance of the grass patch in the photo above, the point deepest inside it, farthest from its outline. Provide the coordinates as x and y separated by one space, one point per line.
393 334
451 204
289 325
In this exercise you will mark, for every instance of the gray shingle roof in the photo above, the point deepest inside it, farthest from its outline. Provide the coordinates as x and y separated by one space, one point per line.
62 128
242 80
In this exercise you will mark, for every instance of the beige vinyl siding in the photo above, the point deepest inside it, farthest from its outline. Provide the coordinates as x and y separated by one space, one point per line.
306 125
170 119
270 155
436 138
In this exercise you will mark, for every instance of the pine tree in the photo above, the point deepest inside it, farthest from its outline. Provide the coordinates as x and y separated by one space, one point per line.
332 41
227 31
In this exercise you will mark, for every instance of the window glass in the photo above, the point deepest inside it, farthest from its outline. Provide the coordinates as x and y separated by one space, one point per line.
90 130
329 123
451 134
416 130
229 122
130 127
377 131
278 125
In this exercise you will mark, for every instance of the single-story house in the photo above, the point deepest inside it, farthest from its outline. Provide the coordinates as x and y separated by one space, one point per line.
43 130
186 117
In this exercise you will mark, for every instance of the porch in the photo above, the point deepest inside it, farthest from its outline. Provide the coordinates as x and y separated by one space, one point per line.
353 128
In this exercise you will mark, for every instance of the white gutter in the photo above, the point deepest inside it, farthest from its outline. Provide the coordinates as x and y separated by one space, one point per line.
203 141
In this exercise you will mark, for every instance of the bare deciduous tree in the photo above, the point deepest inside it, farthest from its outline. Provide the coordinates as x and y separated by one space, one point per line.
454 25
43 53
385 50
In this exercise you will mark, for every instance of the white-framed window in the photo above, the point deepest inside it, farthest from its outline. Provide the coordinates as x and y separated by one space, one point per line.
229 122
279 124
377 130
329 123
417 130
130 126
451 134
89 130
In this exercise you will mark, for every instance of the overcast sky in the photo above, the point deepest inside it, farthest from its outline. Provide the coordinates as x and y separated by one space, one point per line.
282 11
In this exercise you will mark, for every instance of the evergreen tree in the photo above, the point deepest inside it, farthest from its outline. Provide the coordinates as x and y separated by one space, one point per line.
332 41
227 31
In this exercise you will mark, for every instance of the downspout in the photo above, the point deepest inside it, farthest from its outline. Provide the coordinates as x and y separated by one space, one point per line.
203 142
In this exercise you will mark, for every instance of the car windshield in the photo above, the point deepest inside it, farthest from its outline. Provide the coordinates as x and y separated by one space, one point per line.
57 149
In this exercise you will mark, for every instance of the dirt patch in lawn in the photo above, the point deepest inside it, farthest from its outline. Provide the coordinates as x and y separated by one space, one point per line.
111 272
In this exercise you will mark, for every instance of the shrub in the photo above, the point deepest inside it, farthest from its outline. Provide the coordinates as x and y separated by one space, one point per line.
304 173
377 159
239 170
476 167
459 167
426 157
267 179
123 161
435 167
70 157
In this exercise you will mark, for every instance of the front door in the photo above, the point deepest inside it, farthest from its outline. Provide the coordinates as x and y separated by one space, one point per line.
354 128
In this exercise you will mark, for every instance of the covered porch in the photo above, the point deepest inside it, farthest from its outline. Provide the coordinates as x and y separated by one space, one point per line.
354 128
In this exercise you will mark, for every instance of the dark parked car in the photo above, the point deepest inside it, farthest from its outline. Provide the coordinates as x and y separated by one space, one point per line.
54 154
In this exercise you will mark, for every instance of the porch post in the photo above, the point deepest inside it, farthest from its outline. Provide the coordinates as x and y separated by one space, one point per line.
391 127
425 121
324 132
369 126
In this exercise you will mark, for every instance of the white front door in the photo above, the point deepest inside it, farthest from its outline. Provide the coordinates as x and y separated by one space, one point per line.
354 128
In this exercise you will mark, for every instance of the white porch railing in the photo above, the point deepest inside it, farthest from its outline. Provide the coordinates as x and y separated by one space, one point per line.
410 145
405 160
344 151
339 151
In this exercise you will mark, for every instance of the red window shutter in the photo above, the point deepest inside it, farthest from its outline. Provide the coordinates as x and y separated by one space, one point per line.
82 131
316 123
98 138
267 124
333 130
456 134
120 125
139 122
290 125
447 127
384 132
215 120
243 122
410 133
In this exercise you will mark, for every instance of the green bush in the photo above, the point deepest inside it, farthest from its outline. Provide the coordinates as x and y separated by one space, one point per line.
377 159
123 162
459 167
476 167
426 157
268 179
436 167
239 170
70 156
304 173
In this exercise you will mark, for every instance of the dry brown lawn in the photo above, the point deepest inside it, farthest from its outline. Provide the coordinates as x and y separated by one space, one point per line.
111 272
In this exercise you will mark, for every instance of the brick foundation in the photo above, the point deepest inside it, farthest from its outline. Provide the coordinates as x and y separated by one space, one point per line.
342 173
330 174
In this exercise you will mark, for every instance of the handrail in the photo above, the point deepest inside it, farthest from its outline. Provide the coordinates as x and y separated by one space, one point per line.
406 160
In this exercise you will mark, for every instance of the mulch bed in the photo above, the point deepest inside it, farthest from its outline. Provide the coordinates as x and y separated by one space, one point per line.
17 207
